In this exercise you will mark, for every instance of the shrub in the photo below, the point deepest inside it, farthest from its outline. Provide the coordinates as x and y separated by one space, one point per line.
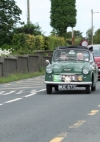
39 42
54 41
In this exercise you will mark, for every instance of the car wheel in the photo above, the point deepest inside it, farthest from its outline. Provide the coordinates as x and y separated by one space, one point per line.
56 88
93 88
88 89
48 89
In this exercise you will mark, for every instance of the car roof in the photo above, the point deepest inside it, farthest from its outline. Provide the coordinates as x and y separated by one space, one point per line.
95 46
76 47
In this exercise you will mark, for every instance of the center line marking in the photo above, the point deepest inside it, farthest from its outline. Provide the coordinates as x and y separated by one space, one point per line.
93 112
59 138
77 124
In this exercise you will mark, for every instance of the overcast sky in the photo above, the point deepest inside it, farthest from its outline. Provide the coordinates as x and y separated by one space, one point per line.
40 13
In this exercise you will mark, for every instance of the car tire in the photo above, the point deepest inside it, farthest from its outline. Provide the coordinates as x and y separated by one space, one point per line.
56 88
93 88
88 89
48 89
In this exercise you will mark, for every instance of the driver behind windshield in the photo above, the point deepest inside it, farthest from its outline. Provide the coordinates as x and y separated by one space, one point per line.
63 56
80 56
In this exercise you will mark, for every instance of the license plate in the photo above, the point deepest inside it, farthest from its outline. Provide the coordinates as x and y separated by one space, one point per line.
68 87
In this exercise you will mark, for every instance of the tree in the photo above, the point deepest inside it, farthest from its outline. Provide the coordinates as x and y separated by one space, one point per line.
63 15
97 37
76 34
33 29
89 35
54 32
9 17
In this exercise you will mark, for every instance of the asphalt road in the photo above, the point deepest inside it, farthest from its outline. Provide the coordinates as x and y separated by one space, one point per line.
28 114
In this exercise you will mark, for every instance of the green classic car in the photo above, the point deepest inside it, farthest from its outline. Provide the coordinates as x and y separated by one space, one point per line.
71 67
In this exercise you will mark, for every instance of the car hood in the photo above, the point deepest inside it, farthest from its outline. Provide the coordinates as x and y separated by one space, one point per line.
72 66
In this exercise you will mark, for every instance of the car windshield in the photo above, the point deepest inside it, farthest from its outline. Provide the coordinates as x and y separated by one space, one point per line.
71 54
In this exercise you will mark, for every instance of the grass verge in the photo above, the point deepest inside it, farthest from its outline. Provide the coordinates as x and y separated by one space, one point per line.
15 77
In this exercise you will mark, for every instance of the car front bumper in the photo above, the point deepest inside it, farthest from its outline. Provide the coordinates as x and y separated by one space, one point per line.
67 83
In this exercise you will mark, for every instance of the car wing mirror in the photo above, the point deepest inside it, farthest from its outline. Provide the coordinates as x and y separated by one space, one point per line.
47 62
91 61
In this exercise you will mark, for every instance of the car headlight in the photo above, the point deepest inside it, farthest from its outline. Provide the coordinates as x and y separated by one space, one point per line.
85 70
49 70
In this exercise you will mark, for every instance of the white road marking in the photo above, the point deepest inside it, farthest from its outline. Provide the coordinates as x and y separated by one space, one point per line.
20 92
32 91
41 90
7 84
30 95
19 82
20 87
1 104
13 100
2 92
9 93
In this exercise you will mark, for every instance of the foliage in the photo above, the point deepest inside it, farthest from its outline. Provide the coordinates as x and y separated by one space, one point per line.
89 35
54 32
77 41
5 46
33 29
9 16
54 41
46 42
97 37
69 41
28 43
63 15
19 40
39 42
76 34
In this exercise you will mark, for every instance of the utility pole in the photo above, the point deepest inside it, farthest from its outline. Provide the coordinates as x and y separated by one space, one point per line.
92 26
72 36
28 12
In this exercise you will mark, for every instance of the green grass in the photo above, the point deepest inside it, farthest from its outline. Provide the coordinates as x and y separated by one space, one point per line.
15 77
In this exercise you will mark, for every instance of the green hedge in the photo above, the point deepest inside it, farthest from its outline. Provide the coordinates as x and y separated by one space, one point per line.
26 43
54 41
